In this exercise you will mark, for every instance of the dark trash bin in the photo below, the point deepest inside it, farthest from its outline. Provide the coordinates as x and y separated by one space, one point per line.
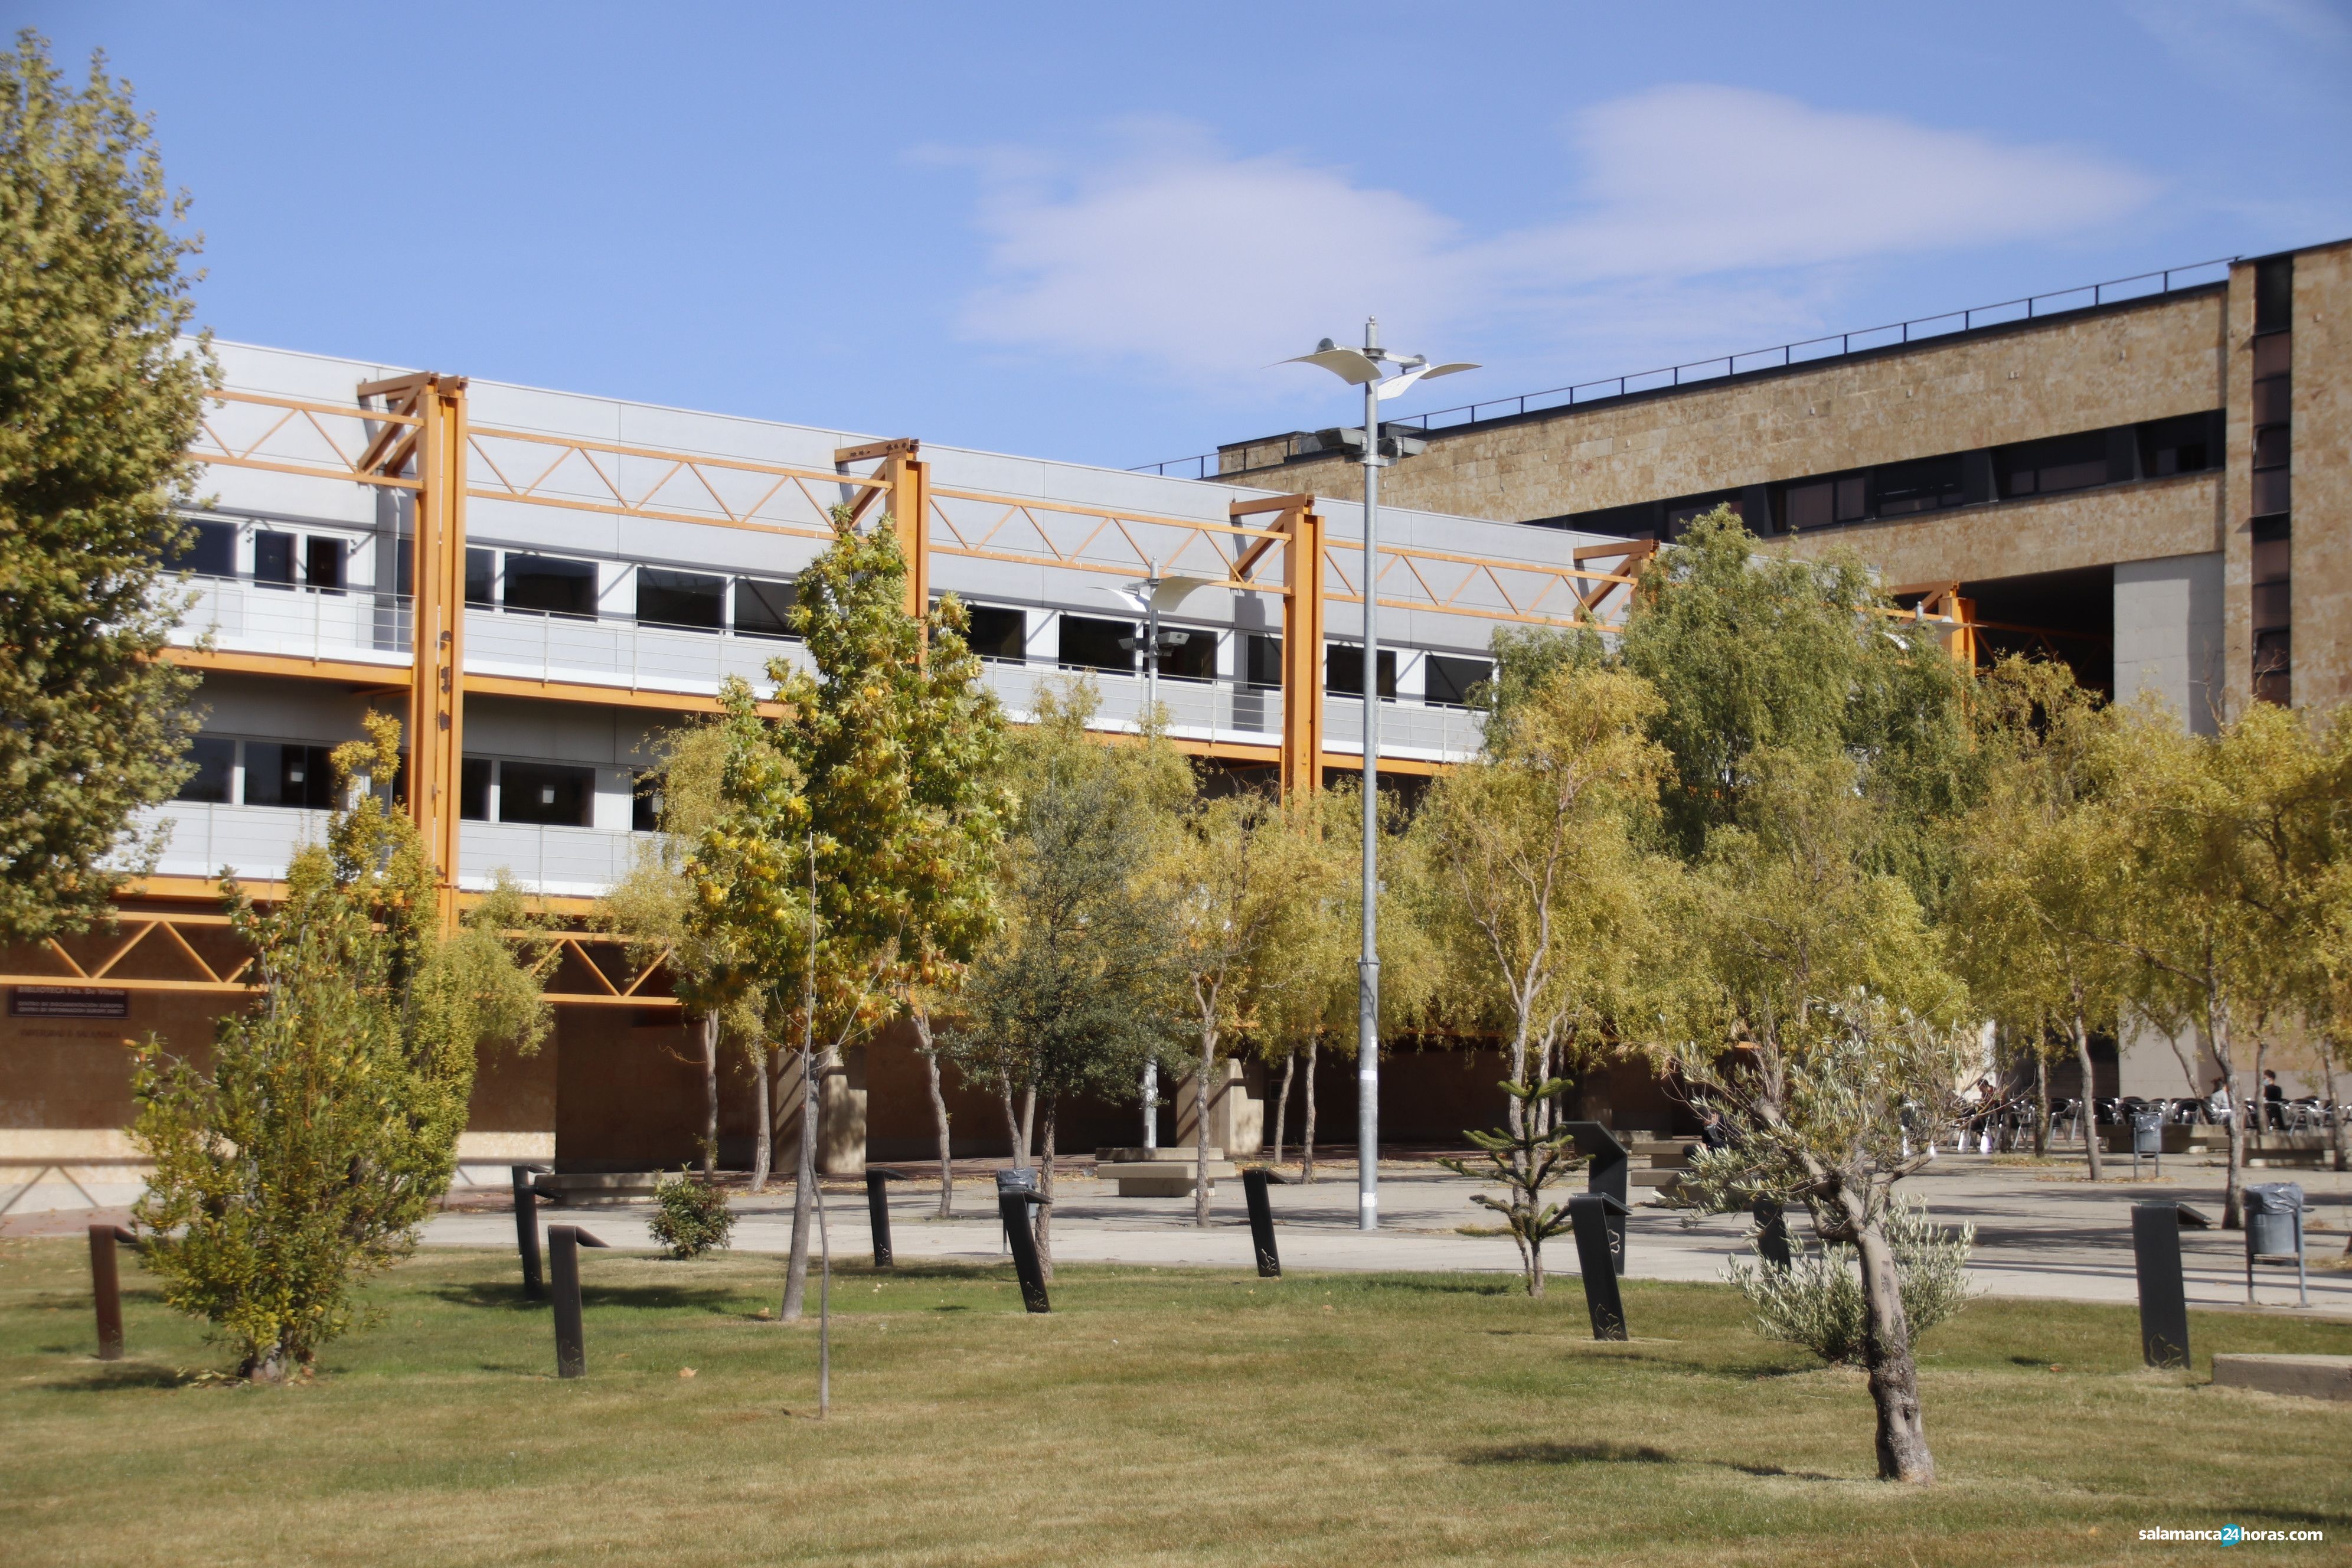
2274 1214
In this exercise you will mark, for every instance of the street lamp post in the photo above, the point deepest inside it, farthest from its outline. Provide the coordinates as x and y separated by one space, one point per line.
1363 369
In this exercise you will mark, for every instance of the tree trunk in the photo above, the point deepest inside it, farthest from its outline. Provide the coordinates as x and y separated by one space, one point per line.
763 1143
1306 1109
1902 1453
803 1191
938 1112
1016 1136
1201 1127
1282 1101
2216 1036
1028 1120
710 1096
2041 1097
2089 1120
2258 1105
1046 1191
2338 1130
1514 1113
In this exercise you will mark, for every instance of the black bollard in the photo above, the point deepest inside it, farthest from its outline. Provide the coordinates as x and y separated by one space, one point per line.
1013 1206
1605 1174
526 1207
1773 1234
1261 1216
1024 1180
106 1288
1599 1259
877 1212
2163 1295
564 1245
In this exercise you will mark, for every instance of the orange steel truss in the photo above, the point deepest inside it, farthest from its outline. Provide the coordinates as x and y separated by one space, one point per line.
413 434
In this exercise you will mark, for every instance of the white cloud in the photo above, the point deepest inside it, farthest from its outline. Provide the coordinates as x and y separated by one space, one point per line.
1690 206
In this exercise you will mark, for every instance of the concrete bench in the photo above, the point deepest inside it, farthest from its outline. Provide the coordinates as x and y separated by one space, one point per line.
2306 1377
1160 1172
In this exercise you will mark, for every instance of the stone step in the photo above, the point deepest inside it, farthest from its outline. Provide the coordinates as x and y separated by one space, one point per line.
1160 1178
1653 1178
598 1189
2308 1376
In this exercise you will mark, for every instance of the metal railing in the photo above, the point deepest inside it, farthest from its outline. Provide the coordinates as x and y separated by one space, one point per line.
1811 351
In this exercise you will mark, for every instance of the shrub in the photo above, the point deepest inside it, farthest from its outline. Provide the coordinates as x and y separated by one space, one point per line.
1816 1301
691 1216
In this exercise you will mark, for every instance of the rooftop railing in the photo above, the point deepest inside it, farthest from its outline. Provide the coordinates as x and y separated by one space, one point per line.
1834 345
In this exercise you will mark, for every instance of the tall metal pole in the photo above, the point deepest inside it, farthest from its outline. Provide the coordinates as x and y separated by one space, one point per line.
1151 701
1367 966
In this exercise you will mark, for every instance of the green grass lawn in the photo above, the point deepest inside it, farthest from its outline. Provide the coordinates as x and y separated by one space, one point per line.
1159 1417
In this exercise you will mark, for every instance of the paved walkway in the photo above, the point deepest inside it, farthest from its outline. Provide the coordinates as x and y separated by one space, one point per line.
2042 1231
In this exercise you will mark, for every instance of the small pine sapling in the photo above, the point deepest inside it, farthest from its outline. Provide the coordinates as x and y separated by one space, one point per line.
1524 1160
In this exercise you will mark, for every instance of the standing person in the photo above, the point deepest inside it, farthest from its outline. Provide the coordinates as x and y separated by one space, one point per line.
2273 1101
2216 1103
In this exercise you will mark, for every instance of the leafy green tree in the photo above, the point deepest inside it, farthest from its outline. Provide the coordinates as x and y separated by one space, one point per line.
2039 900
1239 878
325 1127
870 800
1819 1019
1532 874
1756 655
99 401
1525 1161
1077 989
653 908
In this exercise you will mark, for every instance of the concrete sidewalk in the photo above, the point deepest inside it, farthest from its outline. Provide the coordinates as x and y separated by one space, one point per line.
2042 1231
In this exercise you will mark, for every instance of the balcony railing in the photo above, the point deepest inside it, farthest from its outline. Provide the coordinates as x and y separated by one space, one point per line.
256 842
565 862
1235 712
618 653
358 625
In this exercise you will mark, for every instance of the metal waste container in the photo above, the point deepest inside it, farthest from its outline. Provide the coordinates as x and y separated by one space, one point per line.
2147 1134
2274 1219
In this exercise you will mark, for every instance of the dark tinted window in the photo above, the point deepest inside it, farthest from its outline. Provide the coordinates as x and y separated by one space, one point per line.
1901 489
481 577
999 634
1194 658
646 803
273 558
1343 670
278 774
323 562
1090 644
550 584
668 598
211 551
2063 463
473 789
1450 680
2275 295
215 762
546 792
2185 446
1262 661
763 607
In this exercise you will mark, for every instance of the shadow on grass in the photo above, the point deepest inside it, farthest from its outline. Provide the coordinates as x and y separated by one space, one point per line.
1602 1453
106 1377
714 1300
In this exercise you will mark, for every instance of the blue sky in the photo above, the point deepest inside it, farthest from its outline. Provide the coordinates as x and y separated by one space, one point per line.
1084 231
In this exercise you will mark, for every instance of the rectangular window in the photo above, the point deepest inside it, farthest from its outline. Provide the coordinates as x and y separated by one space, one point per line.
481 578
551 585
687 599
763 607
1091 644
2188 445
2275 666
1927 484
1807 506
210 552
2275 295
215 761
1451 680
1343 670
2274 400
1194 658
1000 635
2271 492
474 776
547 794
273 559
646 803
287 775
323 562
1262 661
2047 467
2273 446
1852 499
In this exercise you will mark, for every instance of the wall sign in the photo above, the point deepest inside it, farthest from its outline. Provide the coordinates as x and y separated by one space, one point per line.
68 1002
